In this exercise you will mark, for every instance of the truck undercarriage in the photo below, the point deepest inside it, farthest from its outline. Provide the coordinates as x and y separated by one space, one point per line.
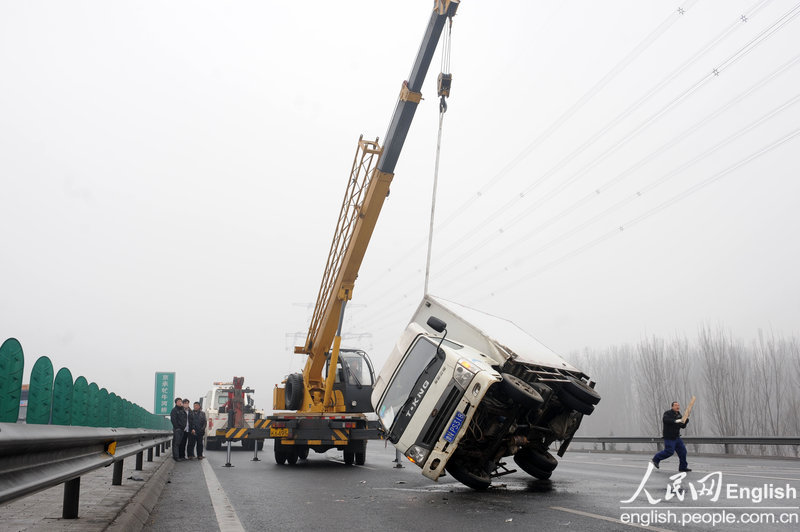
520 417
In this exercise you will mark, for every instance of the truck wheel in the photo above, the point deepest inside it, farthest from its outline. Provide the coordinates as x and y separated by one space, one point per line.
260 445
349 456
294 391
469 476
581 391
302 452
520 391
247 445
529 466
360 448
570 401
291 457
280 453
543 461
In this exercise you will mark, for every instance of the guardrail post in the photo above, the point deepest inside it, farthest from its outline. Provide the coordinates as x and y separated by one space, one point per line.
72 494
139 459
150 454
116 479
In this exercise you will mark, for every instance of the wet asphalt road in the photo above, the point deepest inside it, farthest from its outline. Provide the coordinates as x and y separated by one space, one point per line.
585 493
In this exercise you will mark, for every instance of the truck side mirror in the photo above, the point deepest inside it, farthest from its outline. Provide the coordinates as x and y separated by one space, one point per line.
436 324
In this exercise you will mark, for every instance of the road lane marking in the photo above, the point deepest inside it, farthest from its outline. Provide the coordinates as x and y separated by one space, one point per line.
724 472
338 461
609 519
227 519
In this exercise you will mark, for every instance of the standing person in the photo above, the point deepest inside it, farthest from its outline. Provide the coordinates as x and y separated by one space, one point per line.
672 437
197 429
185 441
178 418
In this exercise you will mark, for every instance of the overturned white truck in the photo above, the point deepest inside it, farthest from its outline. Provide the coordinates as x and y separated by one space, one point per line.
462 390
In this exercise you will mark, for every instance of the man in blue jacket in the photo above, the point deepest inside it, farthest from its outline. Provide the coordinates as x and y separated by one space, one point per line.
673 423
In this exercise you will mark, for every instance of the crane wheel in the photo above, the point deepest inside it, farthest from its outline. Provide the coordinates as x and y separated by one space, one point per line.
280 452
349 456
294 391
360 451
291 457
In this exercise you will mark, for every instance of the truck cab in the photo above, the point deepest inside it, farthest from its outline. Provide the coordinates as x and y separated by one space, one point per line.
453 396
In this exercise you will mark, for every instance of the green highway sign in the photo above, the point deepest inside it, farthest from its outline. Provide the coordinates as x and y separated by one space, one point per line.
165 392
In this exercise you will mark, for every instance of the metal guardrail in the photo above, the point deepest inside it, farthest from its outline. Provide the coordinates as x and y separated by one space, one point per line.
697 440
36 457
70 427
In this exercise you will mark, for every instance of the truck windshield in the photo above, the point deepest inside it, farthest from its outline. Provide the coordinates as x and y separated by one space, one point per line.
403 383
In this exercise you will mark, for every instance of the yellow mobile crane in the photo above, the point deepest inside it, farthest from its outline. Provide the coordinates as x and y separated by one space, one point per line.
325 405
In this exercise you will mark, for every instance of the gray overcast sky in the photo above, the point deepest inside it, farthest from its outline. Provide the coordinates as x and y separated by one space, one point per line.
171 174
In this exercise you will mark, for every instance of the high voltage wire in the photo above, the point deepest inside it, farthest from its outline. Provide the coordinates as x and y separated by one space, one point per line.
628 137
651 212
675 140
731 60
663 179
702 156
705 49
651 37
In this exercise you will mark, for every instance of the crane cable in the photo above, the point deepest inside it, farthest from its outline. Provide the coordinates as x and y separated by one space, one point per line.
445 79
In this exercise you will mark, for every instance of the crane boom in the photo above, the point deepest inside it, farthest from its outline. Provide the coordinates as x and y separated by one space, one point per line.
368 186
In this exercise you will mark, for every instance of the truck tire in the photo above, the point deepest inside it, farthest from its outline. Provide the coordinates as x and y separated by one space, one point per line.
526 464
291 457
294 391
360 449
302 452
520 391
581 391
471 477
543 461
349 456
570 401
260 445
280 452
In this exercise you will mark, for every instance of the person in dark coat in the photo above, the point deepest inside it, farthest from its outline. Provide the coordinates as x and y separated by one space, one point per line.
185 440
197 430
178 417
673 423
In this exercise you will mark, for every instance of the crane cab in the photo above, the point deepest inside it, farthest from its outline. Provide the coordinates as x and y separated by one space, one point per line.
354 380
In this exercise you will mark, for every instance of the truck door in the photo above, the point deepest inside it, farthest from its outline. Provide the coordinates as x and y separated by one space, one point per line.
354 379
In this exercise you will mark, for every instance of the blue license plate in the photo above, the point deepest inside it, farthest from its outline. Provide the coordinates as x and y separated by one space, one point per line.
454 427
